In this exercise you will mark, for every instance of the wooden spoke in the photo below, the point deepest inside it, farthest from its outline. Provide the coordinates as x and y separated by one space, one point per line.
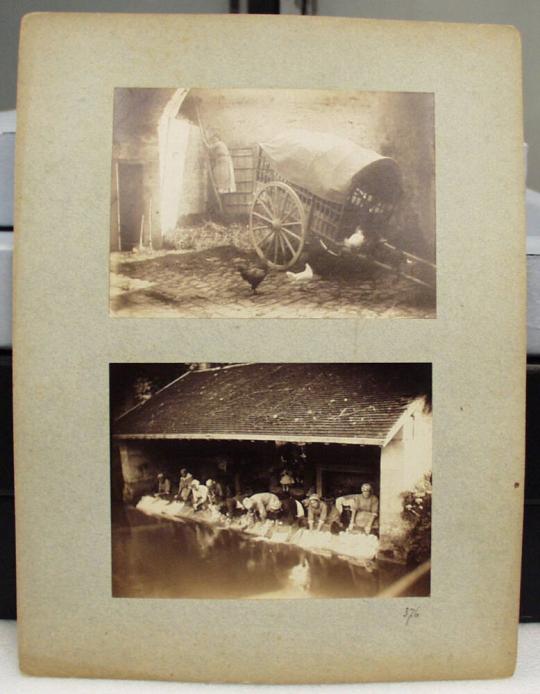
279 245
268 237
291 233
263 208
283 205
278 250
256 214
276 198
288 244
270 197
290 211
266 208
282 246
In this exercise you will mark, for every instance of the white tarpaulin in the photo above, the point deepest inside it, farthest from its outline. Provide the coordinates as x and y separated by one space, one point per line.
322 163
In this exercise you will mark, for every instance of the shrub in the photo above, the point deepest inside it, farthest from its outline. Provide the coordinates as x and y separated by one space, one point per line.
417 513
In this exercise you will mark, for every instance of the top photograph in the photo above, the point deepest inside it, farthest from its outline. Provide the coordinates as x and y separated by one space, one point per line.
242 203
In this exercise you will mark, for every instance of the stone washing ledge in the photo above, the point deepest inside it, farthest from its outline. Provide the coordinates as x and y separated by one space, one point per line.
355 547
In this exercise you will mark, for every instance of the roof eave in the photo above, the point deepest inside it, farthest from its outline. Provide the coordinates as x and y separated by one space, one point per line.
231 436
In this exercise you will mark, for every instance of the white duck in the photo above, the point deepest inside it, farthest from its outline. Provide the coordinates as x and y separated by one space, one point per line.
304 276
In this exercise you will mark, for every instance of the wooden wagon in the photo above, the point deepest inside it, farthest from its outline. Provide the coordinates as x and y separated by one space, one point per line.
316 188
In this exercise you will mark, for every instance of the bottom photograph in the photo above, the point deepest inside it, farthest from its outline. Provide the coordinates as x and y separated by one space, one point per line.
271 481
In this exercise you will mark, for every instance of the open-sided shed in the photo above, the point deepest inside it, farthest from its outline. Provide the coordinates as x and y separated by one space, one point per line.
353 422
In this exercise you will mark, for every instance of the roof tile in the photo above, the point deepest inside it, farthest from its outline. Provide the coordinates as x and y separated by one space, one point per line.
316 401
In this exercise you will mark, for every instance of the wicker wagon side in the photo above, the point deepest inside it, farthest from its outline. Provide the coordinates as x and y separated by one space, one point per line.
322 217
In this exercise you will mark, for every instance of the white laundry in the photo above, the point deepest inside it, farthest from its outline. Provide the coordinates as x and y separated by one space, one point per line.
354 545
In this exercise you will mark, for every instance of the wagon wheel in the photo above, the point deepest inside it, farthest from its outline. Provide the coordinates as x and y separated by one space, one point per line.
277 225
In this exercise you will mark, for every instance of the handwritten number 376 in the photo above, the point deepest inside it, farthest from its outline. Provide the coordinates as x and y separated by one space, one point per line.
410 613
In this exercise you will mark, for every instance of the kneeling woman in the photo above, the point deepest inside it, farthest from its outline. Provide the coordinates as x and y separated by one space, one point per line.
262 506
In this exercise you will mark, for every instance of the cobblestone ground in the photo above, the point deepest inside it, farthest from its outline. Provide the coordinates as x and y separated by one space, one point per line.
205 283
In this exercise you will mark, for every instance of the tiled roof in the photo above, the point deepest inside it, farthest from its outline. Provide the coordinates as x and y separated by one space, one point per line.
277 401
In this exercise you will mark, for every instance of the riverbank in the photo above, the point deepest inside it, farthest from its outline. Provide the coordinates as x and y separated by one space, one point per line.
356 547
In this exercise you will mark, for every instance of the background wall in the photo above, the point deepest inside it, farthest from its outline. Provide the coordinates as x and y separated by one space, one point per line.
524 14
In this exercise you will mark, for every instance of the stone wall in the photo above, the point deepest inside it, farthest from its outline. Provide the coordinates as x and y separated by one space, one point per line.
139 470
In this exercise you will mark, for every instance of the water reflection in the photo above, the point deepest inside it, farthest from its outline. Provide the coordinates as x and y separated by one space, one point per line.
157 558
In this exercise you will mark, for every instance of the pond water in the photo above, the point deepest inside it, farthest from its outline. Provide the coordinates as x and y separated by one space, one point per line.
160 558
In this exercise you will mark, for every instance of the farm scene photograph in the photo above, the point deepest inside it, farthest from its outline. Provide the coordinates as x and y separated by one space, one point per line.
272 204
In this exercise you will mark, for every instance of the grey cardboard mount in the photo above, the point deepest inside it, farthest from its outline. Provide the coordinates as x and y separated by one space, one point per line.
64 339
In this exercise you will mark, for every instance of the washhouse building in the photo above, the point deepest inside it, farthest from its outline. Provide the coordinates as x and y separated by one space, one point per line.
331 426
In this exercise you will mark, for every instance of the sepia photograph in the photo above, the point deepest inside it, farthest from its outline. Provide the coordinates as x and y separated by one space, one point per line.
272 203
263 480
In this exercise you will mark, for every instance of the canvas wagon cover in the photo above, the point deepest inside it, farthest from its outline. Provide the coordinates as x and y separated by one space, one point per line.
323 163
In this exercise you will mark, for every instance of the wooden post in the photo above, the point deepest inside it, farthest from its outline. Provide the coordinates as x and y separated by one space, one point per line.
141 232
150 245
125 471
208 160
118 205
318 482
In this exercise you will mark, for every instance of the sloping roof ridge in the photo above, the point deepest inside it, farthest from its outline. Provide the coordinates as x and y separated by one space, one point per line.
411 407
182 376
141 404
218 368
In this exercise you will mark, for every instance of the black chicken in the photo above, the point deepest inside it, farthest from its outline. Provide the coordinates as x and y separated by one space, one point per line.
252 274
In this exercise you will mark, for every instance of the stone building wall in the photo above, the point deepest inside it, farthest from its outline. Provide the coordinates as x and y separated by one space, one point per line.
404 462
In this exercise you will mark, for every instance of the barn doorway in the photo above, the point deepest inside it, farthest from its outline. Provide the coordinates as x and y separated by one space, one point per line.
131 194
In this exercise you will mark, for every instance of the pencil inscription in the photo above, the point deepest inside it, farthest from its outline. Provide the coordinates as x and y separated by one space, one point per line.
410 613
